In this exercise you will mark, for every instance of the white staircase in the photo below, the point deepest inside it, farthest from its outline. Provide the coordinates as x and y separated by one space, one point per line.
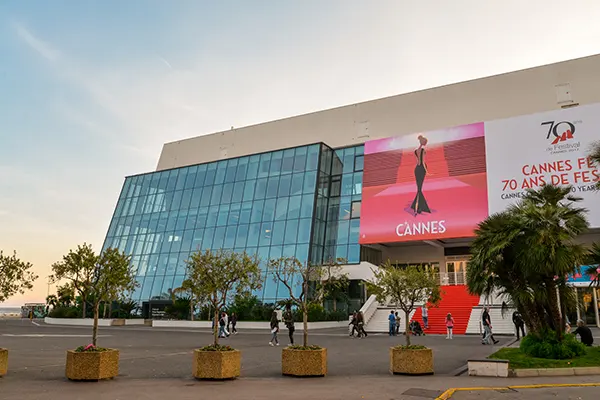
500 325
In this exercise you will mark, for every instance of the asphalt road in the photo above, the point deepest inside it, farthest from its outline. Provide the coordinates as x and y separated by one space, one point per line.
38 352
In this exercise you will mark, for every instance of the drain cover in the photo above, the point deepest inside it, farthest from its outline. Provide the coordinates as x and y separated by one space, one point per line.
425 393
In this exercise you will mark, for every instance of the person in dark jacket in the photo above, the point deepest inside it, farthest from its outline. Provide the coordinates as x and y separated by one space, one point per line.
360 321
584 333
274 329
517 319
233 321
354 323
288 320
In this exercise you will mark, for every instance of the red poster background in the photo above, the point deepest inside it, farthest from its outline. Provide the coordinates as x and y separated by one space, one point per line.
455 187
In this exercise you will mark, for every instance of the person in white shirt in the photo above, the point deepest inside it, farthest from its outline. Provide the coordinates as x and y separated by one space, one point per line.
425 315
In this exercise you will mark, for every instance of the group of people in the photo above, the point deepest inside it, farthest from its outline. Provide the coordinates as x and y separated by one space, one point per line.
227 325
288 320
358 325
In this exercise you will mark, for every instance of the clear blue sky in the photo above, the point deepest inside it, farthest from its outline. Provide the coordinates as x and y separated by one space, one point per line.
90 90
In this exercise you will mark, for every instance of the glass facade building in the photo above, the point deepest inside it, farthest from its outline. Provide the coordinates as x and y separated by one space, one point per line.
302 202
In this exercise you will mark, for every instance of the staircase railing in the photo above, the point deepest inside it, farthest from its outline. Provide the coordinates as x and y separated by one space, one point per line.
369 308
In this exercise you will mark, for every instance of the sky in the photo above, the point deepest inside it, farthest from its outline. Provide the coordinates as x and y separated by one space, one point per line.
91 90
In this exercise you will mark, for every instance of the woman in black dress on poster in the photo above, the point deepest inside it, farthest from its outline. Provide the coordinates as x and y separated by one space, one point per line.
419 204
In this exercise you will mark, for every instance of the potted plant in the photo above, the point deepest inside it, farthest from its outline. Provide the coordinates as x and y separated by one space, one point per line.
307 284
407 287
113 274
15 277
216 276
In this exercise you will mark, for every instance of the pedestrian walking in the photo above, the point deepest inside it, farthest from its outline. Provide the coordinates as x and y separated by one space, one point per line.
392 324
425 316
487 327
354 323
360 318
274 329
517 319
397 323
288 319
223 327
449 326
233 323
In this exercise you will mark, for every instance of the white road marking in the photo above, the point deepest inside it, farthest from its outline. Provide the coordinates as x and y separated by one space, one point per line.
42 335
35 323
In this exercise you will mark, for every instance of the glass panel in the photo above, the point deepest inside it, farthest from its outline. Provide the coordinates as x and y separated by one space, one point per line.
253 167
353 254
241 236
313 157
265 163
307 205
223 215
272 186
219 237
297 184
261 188
275 168
200 175
253 235
269 210
234 214
287 166
294 207
265 234
227 193
238 192
242 169
355 212
284 185
231 170
257 211
291 231
282 208
211 171
341 252
245 212
354 231
202 215
357 184
300 159
230 236
206 196
196 240
207 239
196 197
278 233
248 189
359 163
310 182
221 170
215 199
176 202
171 180
302 252
304 230
178 281
343 232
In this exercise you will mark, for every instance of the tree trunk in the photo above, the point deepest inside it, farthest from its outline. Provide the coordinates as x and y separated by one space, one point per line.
406 327
191 310
305 325
216 330
334 304
95 329
83 307
555 311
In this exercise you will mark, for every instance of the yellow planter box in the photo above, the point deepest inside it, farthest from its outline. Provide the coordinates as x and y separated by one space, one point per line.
217 364
304 362
3 362
411 362
92 365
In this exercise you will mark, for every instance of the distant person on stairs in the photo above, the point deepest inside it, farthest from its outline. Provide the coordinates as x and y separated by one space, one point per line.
425 316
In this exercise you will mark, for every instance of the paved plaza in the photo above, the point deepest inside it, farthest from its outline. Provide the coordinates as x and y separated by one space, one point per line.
156 363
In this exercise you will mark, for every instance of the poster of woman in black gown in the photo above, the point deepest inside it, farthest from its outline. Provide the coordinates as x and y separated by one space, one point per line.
419 204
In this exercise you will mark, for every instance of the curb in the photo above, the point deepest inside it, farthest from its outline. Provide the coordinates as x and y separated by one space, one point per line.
450 392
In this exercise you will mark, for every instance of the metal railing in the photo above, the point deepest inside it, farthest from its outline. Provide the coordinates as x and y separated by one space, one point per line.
452 278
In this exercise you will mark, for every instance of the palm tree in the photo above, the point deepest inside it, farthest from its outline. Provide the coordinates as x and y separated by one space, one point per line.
527 252
593 260
51 300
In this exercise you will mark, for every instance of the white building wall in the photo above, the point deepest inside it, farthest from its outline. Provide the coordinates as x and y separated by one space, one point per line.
501 96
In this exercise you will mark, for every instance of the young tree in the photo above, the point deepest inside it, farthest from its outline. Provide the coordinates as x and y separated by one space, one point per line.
337 290
196 297
78 267
66 294
15 276
113 276
313 282
218 275
405 287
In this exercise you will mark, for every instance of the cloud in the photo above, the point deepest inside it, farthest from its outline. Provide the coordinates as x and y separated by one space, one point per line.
43 48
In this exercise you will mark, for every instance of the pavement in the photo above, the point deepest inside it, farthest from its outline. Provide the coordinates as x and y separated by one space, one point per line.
156 364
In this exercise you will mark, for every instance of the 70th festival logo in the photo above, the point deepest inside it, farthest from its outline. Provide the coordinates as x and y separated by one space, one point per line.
424 186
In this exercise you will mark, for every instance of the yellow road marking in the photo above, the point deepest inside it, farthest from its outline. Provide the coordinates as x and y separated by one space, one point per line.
450 392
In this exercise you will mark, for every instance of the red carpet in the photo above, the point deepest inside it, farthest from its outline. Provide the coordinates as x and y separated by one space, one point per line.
455 300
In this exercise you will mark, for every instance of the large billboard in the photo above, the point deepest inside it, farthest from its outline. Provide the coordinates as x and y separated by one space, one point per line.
441 184
424 186
546 148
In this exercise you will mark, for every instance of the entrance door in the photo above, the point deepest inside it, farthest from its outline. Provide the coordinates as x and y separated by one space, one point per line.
456 271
